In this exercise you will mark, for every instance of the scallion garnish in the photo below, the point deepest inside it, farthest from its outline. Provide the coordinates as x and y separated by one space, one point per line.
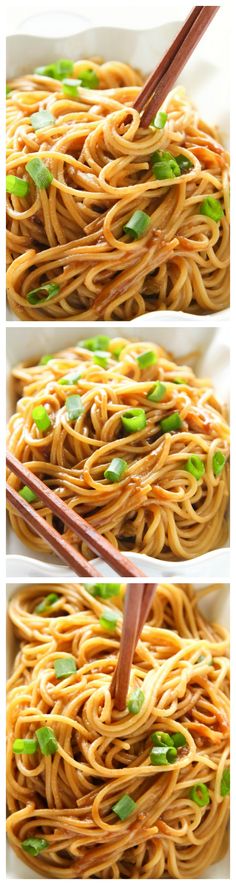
195 466
138 225
225 783
157 392
199 793
159 120
117 350
172 422
134 420
89 78
41 418
162 739
40 173
218 462
116 469
41 119
28 494
70 87
164 165
46 603
25 745
148 358
34 846
101 357
74 407
57 70
212 208
71 378
47 740
16 186
178 739
104 591
46 359
163 755
178 381
124 807
52 289
99 342
64 667
108 619
135 701
184 163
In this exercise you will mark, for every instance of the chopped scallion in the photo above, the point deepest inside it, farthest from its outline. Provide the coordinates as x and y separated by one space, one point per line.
16 186
159 120
70 87
74 407
218 462
40 173
25 745
184 163
134 420
51 288
195 466
225 783
163 755
199 793
101 357
172 422
41 418
46 359
108 619
28 494
41 119
71 378
138 225
47 740
124 807
46 603
148 358
135 701
89 78
104 591
212 208
64 667
157 392
99 342
34 846
115 470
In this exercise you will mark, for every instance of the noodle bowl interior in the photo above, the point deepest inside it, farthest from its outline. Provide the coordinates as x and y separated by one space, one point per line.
131 439
80 168
97 793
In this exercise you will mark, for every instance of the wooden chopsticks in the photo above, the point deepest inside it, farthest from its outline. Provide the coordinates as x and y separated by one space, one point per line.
138 600
166 72
80 526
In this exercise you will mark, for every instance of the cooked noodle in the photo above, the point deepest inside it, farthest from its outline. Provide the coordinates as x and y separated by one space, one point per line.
158 507
181 663
72 232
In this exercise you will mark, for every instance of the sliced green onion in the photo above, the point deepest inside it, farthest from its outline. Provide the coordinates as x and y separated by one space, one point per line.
124 807
162 755
28 494
108 619
99 342
218 462
58 70
159 120
25 745
89 78
134 420
41 418
157 392
104 591
46 603
101 357
212 208
40 173
116 352
51 288
71 378
184 163
162 739
34 846
70 87
200 794
172 422
46 359
16 186
42 119
74 407
195 466
225 783
137 225
8 89
115 470
148 358
136 701
178 381
178 739
47 740
166 169
64 667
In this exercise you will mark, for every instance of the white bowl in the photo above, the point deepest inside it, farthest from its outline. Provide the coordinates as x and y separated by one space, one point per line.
216 608
211 359
206 81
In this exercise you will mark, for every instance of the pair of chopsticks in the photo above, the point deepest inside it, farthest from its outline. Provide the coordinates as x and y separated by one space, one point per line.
165 74
138 600
80 526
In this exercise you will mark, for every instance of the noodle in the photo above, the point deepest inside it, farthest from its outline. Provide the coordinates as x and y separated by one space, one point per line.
157 507
182 664
101 160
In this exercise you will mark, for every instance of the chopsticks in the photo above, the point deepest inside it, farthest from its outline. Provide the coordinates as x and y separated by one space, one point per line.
166 72
80 526
138 600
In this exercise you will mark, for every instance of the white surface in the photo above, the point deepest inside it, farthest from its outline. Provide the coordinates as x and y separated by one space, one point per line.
216 608
211 361
205 76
